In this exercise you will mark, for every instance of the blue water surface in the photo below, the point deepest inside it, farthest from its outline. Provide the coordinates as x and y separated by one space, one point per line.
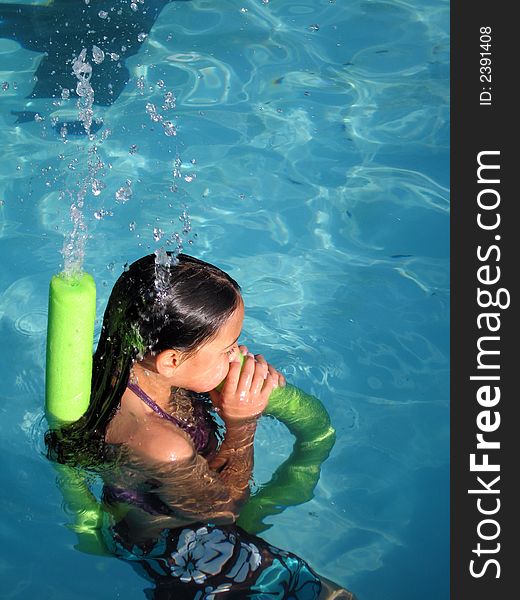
311 162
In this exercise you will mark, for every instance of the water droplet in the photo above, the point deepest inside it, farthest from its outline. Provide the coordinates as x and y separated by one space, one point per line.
160 83
38 117
176 172
97 187
189 178
123 194
157 233
132 226
151 109
101 213
169 101
134 6
5 85
169 128
141 37
314 27
102 14
114 56
98 55
65 93
133 149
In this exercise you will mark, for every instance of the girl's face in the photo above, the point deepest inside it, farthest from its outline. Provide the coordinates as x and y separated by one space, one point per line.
205 369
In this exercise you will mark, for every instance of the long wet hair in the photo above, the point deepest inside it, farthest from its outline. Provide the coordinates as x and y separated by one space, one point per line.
152 307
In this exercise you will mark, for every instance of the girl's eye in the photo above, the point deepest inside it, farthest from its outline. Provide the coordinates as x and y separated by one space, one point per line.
230 352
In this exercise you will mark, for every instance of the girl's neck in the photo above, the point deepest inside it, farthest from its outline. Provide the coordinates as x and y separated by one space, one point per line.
152 384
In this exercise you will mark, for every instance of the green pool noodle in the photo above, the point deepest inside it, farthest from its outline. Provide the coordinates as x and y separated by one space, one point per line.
70 338
70 335
295 479
83 506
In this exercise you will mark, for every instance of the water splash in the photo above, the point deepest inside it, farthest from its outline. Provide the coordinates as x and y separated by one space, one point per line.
74 245
82 69
175 242
164 259
73 250
163 262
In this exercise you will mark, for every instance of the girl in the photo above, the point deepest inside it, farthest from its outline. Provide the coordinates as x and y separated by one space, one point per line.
175 452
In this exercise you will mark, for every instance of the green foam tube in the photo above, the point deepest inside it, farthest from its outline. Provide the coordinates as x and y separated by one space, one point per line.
70 337
84 508
294 481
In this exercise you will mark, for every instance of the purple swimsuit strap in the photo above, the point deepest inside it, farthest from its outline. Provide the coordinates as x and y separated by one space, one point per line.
199 435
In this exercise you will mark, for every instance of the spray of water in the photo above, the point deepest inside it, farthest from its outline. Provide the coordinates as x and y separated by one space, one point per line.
74 244
175 242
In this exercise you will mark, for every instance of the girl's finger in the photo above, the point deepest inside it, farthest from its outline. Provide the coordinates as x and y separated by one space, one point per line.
246 376
232 378
263 363
258 378
277 377
268 386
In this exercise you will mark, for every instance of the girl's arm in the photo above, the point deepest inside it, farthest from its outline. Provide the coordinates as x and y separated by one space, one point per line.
235 459
240 402
187 483
192 488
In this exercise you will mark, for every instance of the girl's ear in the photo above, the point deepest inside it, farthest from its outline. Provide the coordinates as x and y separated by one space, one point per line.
167 361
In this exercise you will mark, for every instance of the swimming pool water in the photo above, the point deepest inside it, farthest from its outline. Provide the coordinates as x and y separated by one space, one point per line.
313 139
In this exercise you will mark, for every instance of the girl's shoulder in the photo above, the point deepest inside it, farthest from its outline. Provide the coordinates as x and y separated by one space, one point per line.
151 440
160 441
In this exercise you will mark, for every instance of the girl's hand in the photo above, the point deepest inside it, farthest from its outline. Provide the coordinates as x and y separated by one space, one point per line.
245 393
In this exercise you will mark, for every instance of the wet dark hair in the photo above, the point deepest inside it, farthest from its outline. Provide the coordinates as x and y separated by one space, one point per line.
152 307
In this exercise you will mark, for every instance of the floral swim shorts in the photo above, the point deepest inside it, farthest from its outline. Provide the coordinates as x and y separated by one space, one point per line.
207 562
